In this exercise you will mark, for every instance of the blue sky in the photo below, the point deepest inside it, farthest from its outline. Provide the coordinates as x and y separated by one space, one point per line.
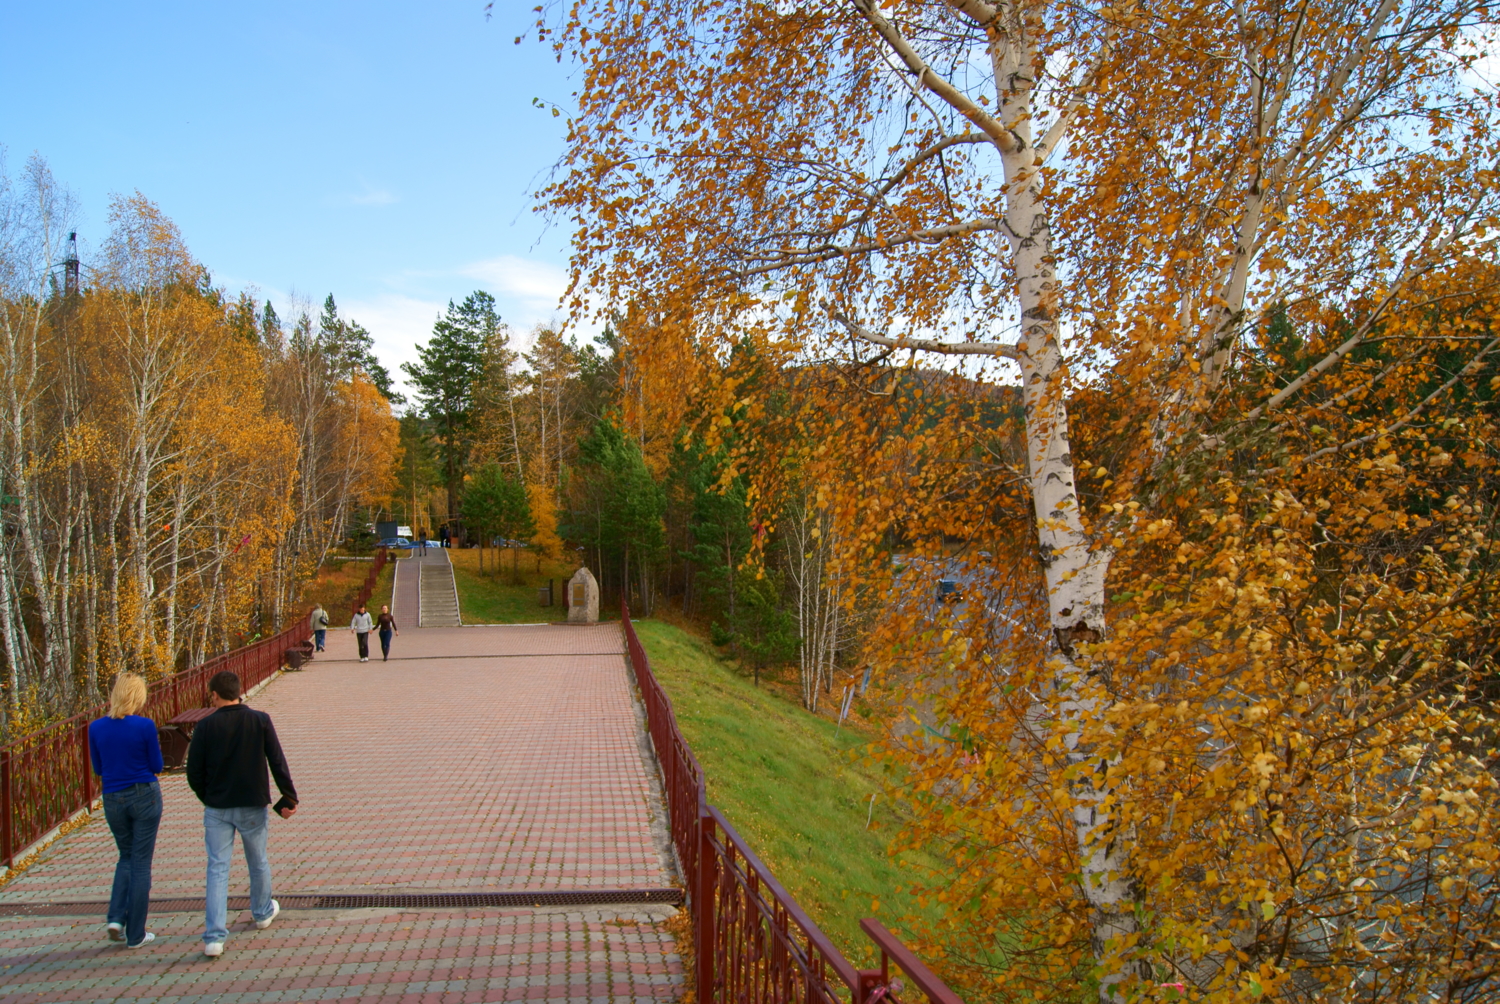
382 151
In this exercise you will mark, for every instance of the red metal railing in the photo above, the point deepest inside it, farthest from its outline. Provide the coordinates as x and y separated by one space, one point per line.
368 589
46 777
752 943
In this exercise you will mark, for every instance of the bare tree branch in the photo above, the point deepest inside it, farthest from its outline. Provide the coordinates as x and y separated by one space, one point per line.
789 259
1004 138
929 345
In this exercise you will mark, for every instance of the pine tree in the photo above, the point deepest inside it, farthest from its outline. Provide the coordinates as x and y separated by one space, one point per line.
352 347
618 512
446 374
495 503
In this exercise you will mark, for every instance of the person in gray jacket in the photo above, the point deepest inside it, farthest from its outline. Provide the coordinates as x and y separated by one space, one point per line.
318 622
361 625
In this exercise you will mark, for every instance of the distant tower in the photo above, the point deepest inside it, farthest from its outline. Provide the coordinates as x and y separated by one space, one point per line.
70 266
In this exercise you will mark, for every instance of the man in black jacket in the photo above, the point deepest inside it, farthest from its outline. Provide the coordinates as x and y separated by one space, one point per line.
226 768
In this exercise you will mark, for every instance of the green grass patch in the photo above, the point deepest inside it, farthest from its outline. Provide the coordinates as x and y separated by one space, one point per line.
794 786
494 597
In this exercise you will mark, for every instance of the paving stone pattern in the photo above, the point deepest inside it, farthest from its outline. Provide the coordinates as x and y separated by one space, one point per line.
494 758
355 955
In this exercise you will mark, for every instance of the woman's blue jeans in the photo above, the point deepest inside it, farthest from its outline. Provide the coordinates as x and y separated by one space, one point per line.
133 814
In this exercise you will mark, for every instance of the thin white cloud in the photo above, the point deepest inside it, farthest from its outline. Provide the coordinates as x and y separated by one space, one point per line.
398 324
369 195
539 283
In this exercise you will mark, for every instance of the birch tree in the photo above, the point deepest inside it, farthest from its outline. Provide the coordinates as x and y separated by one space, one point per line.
1101 197
152 480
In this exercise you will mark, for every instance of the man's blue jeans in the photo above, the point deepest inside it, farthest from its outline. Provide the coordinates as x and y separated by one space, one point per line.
219 826
320 634
133 815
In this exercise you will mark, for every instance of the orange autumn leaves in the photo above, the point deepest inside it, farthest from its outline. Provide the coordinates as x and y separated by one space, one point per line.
1244 260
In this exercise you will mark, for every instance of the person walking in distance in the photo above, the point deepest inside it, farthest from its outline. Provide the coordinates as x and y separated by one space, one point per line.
226 768
318 622
127 757
387 627
361 625
443 537
422 541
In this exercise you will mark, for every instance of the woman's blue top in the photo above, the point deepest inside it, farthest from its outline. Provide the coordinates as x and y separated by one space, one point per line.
124 751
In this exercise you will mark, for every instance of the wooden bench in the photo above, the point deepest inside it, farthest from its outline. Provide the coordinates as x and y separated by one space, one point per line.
295 658
177 734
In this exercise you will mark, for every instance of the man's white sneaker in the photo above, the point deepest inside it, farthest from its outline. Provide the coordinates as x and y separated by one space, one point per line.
213 949
116 932
261 925
144 941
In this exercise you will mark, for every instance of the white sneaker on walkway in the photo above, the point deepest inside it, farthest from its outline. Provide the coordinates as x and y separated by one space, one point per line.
213 949
116 932
144 941
261 925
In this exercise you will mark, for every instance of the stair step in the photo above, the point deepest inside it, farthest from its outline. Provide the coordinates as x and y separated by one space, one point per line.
439 602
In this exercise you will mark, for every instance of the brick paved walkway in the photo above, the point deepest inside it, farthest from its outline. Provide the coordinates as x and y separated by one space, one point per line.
477 759
405 592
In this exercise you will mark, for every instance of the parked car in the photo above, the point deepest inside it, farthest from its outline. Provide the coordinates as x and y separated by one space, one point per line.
394 542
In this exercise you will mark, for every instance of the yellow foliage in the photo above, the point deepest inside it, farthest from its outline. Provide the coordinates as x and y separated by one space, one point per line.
158 468
544 517
1217 707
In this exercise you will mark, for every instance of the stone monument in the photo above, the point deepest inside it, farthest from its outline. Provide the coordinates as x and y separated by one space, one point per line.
583 598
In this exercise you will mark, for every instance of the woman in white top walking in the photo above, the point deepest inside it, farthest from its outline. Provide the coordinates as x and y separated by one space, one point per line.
361 625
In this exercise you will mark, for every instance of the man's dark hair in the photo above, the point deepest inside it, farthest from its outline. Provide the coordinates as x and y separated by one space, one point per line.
226 684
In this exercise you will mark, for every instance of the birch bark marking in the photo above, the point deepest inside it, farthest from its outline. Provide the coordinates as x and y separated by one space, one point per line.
1074 569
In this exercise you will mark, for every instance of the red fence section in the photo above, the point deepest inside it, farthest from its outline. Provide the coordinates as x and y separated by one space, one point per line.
46 777
752 943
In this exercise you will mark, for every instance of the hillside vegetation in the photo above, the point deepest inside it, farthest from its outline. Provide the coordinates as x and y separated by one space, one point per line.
794 785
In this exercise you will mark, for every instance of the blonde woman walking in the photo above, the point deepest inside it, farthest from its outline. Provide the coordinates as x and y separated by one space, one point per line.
127 758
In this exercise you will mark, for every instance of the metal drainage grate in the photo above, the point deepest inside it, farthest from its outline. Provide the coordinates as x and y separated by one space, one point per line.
354 901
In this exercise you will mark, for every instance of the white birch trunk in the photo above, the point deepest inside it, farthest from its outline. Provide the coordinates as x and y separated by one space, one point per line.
1073 568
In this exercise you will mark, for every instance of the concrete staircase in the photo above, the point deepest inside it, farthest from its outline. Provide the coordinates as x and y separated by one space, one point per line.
439 605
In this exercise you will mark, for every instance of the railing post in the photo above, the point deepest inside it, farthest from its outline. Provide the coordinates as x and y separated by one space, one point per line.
7 833
704 925
88 766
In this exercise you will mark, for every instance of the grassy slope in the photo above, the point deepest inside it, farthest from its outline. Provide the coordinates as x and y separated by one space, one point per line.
381 597
336 584
790 783
492 597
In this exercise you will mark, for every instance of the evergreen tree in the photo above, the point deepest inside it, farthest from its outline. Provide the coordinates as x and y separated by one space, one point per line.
718 526
241 318
417 476
765 632
495 424
618 511
449 367
495 503
270 326
352 347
